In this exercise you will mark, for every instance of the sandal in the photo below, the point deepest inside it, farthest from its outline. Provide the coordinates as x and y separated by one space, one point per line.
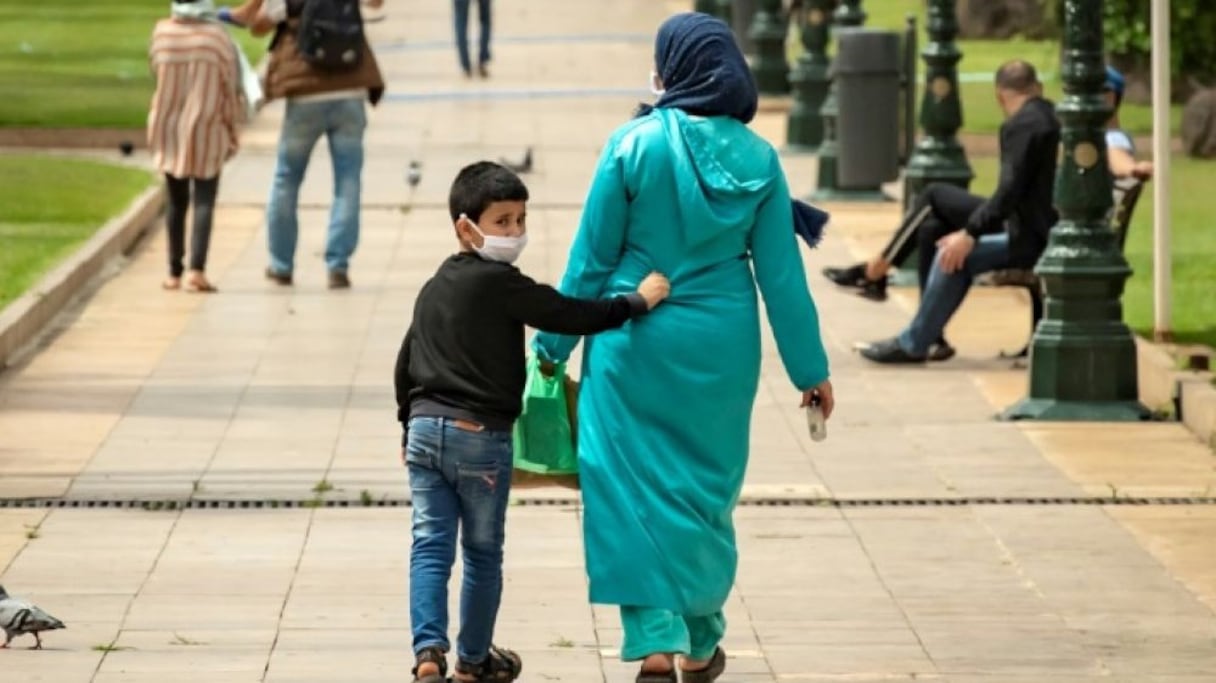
500 666
431 655
656 677
197 283
711 671
668 676
171 284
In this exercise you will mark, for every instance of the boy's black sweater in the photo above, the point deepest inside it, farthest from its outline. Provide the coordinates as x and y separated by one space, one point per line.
463 356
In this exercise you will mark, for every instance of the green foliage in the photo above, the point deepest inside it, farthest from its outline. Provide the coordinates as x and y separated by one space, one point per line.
49 206
1192 27
82 63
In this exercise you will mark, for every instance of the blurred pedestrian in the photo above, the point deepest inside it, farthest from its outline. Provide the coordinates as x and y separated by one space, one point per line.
192 127
484 13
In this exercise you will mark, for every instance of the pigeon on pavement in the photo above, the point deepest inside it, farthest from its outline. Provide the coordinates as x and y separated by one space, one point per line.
19 617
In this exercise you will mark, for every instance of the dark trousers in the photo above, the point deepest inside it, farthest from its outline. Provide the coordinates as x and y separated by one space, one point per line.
204 209
938 211
461 8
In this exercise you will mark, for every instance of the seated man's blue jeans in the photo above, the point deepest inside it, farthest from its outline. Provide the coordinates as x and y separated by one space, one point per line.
342 122
457 478
945 292
461 16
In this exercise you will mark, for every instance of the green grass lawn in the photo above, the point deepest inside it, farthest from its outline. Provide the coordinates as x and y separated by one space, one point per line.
51 206
1193 242
980 112
81 63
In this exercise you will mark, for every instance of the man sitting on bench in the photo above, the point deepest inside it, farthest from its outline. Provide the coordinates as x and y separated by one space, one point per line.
1008 230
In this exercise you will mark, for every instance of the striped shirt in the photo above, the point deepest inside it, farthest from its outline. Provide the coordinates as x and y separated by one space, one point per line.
192 124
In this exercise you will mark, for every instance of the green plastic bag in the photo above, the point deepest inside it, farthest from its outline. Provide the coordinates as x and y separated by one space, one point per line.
544 438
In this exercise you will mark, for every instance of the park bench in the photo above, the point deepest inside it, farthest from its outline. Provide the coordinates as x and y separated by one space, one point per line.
1126 194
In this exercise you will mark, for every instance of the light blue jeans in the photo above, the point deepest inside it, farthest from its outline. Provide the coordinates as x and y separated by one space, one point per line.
461 16
944 293
457 478
342 122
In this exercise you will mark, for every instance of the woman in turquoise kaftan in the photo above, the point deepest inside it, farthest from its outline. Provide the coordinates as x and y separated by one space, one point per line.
666 401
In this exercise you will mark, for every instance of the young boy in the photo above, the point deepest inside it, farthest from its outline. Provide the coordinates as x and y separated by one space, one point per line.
459 383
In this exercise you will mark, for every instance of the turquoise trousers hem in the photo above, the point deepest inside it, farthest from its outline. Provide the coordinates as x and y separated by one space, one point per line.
650 630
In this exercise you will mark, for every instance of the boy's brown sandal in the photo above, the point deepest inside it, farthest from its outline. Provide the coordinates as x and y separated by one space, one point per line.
501 666
431 655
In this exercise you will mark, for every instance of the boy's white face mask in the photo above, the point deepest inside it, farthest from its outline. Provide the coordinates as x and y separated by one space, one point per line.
498 248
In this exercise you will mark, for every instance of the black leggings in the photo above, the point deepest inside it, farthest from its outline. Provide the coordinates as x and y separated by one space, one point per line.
938 211
204 210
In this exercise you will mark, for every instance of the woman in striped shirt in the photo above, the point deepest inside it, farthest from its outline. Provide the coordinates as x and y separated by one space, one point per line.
192 126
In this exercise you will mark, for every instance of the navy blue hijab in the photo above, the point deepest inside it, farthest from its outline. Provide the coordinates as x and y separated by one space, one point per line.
705 74
702 69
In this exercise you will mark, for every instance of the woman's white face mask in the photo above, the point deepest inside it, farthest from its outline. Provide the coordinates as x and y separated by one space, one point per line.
498 248
656 85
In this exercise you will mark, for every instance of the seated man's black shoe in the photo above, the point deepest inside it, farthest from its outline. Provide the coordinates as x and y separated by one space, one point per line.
941 350
874 290
853 276
889 351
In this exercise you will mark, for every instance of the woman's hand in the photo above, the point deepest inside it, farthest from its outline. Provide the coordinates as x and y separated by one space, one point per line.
823 392
654 289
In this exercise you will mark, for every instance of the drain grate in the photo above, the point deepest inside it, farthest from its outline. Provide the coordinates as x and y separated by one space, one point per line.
170 504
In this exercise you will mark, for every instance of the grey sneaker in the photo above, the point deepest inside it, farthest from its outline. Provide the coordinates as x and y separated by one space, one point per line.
278 278
338 279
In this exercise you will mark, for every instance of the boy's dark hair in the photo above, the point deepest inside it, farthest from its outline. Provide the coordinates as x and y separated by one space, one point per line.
1017 75
481 184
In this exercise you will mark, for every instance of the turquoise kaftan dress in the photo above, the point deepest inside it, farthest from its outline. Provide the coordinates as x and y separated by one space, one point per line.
666 401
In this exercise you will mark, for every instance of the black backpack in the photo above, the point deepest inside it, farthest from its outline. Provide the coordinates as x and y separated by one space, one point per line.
330 35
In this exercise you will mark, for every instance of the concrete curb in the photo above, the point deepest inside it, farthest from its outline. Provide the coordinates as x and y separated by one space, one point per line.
24 319
1190 394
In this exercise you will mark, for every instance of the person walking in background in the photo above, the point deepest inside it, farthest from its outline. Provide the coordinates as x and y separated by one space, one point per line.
686 189
192 127
461 8
322 99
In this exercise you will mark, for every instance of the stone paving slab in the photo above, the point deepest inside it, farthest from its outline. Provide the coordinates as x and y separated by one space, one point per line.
950 594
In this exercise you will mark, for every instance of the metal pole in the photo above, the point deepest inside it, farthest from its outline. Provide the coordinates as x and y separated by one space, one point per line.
771 68
1162 328
1083 356
809 78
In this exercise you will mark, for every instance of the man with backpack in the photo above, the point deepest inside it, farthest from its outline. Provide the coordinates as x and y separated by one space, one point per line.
321 62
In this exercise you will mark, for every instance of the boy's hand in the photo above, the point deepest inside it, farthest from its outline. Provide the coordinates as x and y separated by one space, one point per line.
654 289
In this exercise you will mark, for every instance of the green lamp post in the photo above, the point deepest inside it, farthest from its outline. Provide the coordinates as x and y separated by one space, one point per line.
938 157
724 11
809 79
848 14
709 7
770 67
1083 357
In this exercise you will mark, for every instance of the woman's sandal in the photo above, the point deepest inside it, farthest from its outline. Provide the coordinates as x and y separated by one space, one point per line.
668 676
431 655
711 671
501 666
197 283
657 677
171 284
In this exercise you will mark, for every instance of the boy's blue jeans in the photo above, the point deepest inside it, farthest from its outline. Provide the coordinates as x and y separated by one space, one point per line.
342 122
458 478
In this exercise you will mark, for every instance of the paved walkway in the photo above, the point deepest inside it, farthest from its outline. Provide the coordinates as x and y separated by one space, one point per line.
265 394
